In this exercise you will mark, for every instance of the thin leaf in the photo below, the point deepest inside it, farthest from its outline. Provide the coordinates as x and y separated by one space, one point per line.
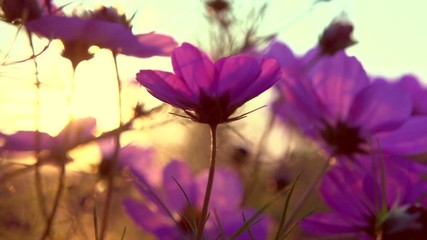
123 234
252 219
296 224
95 223
282 221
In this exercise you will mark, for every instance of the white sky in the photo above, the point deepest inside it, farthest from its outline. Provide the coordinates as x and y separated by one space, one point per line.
391 34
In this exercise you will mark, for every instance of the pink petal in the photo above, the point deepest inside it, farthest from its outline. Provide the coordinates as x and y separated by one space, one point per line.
168 88
177 175
227 191
194 67
380 107
342 188
410 138
155 44
235 74
328 225
336 81
270 74
113 36
150 219
26 141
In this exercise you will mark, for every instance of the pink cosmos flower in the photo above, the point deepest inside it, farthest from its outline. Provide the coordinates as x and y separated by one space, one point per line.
335 103
386 200
210 92
79 34
174 198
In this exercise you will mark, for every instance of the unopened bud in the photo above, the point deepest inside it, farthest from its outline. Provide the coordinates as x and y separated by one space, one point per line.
336 37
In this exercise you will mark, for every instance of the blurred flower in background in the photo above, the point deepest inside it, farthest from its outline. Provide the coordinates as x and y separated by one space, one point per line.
385 199
174 198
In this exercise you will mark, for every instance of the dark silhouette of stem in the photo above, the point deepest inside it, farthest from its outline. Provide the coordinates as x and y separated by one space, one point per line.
209 185
114 161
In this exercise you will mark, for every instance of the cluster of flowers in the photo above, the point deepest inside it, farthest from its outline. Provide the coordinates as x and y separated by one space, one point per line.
371 127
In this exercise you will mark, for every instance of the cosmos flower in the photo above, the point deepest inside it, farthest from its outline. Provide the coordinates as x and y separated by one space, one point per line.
174 199
210 92
79 34
369 202
336 104
74 134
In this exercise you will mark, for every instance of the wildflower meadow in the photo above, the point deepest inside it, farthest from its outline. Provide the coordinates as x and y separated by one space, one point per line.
110 131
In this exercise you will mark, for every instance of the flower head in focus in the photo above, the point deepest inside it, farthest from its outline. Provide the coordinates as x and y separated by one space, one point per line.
210 92
174 198
386 200
335 103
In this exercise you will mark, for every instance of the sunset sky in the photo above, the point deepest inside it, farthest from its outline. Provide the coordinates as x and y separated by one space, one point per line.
391 41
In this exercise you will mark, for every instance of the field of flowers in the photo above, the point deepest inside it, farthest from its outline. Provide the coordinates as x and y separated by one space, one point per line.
181 157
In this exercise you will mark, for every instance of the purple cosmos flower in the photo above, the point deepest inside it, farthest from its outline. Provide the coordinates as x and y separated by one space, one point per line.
210 92
75 133
174 198
335 103
79 34
372 201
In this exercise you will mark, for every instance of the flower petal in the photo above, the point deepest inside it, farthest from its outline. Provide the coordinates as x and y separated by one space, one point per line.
167 87
380 107
194 67
232 221
270 74
153 44
26 141
113 36
339 188
336 81
177 175
235 74
328 225
410 138
292 67
149 219
227 190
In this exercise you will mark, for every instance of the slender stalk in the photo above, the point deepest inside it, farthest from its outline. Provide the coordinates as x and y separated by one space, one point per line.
308 190
37 141
114 160
209 185
58 194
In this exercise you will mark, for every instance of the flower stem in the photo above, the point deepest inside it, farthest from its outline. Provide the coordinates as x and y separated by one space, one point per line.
204 214
115 159
37 142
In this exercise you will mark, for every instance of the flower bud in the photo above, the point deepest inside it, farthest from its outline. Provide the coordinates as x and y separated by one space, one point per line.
336 37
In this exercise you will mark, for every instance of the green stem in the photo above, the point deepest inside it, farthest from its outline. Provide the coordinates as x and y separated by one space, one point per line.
209 185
